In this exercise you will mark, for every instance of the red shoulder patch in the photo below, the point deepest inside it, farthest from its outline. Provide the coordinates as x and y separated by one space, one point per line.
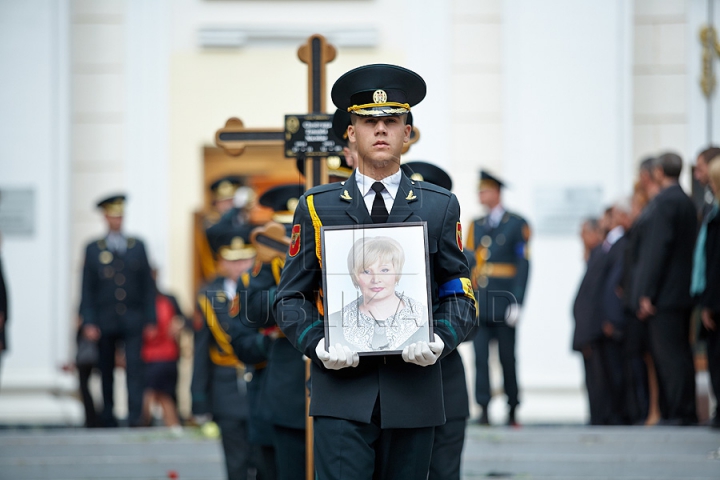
235 306
458 235
295 240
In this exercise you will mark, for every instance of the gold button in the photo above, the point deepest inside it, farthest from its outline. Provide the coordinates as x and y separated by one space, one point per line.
108 272
120 309
105 257
486 241
482 281
119 279
120 294
248 377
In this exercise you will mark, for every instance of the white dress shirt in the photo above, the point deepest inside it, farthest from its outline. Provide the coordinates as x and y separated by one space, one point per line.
392 184
230 287
495 216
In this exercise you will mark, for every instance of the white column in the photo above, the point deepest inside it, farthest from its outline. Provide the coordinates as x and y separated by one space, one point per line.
34 155
427 42
147 126
566 119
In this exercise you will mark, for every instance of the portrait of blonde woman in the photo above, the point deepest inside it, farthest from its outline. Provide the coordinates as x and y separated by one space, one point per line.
380 317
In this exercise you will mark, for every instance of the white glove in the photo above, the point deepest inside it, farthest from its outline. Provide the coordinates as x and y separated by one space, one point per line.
336 357
512 314
423 353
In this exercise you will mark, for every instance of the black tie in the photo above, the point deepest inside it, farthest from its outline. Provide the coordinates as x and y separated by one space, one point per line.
379 213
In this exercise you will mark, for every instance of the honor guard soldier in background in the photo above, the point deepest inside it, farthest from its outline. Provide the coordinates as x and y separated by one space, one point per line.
375 416
118 302
223 192
500 241
283 395
449 438
218 387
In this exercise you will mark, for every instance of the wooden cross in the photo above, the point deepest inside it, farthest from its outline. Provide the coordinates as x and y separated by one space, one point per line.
234 137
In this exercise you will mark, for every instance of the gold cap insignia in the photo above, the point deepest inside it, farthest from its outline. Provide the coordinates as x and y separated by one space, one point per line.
237 250
292 204
225 191
380 96
417 176
114 209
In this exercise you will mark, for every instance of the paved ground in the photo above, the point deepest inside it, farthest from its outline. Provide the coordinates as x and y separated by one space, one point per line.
525 453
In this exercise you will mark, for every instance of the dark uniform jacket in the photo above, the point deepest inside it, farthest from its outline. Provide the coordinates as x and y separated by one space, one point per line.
118 291
455 394
409 396
502 265
216 387
666 244
284 389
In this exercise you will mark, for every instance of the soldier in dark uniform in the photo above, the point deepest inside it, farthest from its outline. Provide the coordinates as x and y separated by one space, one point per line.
500 241
118 302
449 438
374 417
238 215
218 387
223 192
283 395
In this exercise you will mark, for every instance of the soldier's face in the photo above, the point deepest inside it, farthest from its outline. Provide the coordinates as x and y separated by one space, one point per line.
114 223
223 206
379 141
235 268
489 197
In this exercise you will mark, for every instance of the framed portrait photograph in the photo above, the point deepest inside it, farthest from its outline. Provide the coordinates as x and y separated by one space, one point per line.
376 290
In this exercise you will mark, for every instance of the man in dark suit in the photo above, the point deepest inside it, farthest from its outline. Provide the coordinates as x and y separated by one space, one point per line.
218 387
500 241
374 417
118 302
662 289
588 331
449 438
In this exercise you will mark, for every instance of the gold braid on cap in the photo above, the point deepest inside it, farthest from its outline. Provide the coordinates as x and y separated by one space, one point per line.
361 109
